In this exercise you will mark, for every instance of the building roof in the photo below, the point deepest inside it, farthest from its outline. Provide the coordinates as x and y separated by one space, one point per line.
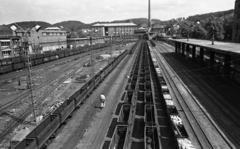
52 28
113 24
142 28
158 26
221 47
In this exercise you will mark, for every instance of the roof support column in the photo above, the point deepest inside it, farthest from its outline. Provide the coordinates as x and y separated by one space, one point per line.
183 48
201 55
179 47
176 47
226 67
0 51
193 52
212 60
187 51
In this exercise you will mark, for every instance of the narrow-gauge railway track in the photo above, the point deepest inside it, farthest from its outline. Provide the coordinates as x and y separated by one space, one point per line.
74 138
52 122
141 119
39 99
205 131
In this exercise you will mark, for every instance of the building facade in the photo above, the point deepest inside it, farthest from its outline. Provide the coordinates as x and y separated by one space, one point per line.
113 29
236 22
49 39
158 29
9 46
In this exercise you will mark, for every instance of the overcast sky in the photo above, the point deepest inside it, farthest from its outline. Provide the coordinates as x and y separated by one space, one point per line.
89 11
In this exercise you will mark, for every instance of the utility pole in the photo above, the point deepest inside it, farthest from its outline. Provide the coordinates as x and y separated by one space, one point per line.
110 49
149 14
91 58
29 65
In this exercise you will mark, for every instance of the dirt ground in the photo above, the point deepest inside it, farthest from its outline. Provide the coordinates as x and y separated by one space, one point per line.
64 91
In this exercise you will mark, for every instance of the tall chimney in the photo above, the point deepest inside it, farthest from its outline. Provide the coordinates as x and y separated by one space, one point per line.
149 13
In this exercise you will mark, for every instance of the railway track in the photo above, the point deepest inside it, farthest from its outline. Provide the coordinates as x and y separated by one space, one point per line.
51 123
141 118
25 71
204 131
73 140
21 118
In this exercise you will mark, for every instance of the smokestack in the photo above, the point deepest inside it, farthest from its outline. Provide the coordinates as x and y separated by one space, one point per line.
149 13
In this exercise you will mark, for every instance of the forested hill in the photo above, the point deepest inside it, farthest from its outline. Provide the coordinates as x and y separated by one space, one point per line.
208 15
204 26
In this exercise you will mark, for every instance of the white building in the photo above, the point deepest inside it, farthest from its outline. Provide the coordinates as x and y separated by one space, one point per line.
113 29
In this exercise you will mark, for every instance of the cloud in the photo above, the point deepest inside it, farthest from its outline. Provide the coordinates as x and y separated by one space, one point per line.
89 11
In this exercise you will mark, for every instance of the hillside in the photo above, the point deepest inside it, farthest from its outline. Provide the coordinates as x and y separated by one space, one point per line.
72 25
208 15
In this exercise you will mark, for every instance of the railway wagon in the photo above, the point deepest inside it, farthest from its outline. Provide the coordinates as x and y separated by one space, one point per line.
38 61
71 53
27 144
65 110
91 85
66 53
16 59
18 66
5 68
6 61
35 59
97 79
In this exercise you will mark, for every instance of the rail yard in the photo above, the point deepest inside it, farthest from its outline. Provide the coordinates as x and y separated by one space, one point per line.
155 98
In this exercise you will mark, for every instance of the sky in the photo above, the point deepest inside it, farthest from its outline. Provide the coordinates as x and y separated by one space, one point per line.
89 11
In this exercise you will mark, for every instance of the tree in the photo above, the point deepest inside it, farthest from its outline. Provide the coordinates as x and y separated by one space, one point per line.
215 29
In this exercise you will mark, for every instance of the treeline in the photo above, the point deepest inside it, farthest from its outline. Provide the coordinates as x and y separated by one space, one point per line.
204 26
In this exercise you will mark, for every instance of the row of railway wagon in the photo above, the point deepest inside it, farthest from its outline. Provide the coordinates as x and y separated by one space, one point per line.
145 117
37 137
180 132
18 63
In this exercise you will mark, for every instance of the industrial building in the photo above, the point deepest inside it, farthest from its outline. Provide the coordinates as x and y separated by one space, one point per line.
49 39
113 29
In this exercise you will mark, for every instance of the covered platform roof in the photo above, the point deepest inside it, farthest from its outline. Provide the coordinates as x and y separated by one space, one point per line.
220 47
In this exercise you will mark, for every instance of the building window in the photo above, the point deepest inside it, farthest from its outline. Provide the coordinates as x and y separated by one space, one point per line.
5 43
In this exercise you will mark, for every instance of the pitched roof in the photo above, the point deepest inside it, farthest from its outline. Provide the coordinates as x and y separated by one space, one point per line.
158 26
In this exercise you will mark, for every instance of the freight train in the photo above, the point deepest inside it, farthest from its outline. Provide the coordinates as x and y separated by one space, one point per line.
38 136
20 62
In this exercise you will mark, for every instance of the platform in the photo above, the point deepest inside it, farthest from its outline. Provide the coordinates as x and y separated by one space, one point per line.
222 47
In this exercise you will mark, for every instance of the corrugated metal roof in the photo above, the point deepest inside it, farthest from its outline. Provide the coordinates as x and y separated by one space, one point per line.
114 24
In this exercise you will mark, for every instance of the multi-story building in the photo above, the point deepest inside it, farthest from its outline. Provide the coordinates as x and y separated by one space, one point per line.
8 42
113 29
49 39
236 22
9 46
